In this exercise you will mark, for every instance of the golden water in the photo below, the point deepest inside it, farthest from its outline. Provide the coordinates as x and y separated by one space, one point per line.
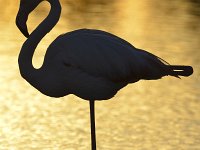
148 115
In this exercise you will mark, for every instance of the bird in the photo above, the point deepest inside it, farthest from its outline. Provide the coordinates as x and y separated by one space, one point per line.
89 63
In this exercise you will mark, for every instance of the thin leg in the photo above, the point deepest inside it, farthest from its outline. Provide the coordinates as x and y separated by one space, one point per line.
92 123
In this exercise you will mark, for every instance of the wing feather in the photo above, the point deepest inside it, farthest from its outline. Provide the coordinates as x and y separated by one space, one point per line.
102 54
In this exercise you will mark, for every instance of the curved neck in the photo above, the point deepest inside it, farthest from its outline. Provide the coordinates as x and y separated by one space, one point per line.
26 67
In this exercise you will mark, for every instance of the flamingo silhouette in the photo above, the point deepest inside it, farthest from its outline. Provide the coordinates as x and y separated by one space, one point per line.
91 64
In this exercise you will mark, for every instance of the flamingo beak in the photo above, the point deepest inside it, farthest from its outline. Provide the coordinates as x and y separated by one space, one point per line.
21 19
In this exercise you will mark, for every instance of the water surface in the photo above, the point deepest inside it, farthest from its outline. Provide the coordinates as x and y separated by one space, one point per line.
148 115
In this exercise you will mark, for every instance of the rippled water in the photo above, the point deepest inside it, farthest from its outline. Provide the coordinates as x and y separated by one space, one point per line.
148 115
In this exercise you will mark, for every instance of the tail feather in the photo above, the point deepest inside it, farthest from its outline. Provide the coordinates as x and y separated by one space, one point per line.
177 70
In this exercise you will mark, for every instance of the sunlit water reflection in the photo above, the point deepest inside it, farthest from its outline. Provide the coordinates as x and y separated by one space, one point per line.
161 114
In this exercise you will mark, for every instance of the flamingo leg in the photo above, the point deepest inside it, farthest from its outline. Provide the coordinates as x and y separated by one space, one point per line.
92 123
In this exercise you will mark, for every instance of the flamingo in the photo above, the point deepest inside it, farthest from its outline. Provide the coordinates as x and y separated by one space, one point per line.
89 63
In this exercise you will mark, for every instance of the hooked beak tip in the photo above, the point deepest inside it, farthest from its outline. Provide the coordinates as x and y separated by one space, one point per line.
21 24
26 35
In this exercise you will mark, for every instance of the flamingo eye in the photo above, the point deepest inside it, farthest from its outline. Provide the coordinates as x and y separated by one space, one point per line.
67 64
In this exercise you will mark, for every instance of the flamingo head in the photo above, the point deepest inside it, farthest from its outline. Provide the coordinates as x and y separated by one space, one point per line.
25 8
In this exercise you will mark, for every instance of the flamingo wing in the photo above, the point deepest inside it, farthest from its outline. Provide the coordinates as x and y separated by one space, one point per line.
102 54
94 64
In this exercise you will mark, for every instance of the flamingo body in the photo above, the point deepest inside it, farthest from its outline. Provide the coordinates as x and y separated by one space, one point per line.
91 64
94 64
